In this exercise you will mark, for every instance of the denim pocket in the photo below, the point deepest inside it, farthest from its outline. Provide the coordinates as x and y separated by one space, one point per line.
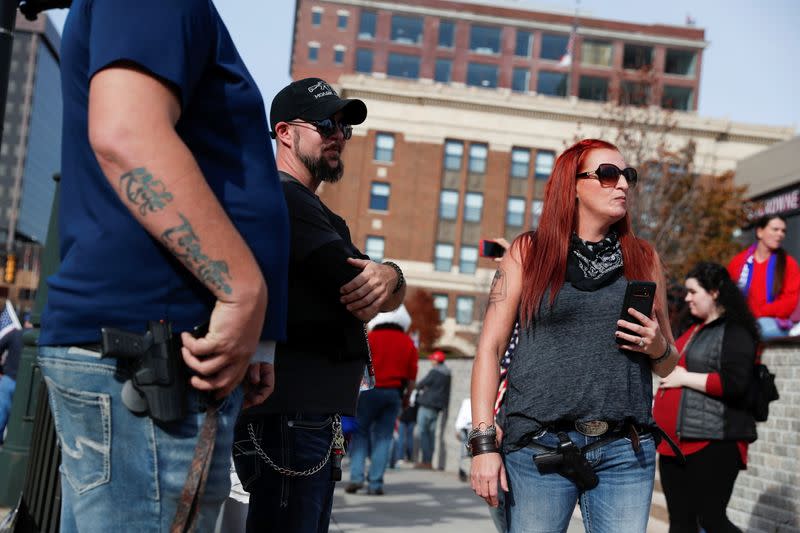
83 422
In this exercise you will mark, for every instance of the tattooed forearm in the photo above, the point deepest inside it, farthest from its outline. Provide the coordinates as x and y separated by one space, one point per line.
498 291
144 191
184 243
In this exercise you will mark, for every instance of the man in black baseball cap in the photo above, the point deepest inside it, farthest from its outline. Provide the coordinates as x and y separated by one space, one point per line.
288 450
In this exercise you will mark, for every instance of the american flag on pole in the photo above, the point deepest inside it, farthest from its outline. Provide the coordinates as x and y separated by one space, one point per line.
566 59
8 320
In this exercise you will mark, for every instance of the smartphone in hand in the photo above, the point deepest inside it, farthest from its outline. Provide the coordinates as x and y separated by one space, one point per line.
640 295
489 248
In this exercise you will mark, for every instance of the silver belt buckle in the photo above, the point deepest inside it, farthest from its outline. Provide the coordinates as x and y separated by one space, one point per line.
592 428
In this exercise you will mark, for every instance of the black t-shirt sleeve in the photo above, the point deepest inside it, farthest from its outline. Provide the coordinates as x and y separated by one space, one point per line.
738 358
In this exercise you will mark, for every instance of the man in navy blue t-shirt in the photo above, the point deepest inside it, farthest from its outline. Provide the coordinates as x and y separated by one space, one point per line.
171 209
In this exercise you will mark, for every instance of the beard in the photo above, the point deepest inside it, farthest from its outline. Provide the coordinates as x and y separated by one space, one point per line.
319 167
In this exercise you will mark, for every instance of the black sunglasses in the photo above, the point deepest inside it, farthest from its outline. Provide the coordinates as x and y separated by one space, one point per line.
327 127
608 175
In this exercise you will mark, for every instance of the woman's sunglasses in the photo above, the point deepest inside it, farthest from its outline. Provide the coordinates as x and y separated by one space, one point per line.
327 127
608 175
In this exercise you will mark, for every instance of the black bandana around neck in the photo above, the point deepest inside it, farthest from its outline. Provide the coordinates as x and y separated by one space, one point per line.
591 265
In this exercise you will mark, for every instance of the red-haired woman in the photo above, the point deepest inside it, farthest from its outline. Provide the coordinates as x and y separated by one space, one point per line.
571 384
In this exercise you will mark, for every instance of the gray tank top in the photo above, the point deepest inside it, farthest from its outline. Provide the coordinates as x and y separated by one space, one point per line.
567 366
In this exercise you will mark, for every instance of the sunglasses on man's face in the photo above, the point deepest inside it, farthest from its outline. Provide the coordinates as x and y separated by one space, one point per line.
327 127
608 175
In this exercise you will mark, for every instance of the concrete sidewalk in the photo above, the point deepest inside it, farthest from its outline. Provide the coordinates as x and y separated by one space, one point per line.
424 502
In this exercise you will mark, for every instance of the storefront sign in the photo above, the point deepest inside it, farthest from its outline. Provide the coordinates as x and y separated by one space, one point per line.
778 204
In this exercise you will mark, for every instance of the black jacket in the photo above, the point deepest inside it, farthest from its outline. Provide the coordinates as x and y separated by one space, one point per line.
434 389
729 349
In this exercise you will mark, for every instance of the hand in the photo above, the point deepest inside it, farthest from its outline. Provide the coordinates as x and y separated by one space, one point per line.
258 384
220 358
675 379
646 338
364 295
487 470
504 243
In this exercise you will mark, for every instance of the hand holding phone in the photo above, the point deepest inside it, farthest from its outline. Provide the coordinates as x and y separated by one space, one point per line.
639 295
490 248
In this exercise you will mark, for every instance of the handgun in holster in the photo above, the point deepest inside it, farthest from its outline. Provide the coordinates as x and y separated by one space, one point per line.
568 461
158 376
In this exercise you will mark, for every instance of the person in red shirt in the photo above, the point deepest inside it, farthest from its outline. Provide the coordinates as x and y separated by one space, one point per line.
769 278
394 357
701 404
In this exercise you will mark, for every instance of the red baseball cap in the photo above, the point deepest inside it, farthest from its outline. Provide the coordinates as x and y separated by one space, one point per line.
437 356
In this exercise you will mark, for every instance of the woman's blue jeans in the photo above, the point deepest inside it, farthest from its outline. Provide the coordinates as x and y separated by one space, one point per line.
620 503
121 471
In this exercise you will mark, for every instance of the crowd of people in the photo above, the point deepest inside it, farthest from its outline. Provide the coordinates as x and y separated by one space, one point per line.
176 216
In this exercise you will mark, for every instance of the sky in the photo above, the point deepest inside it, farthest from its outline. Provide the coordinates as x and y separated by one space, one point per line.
749 71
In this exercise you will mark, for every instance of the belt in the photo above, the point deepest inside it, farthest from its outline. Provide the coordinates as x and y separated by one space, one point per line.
590 428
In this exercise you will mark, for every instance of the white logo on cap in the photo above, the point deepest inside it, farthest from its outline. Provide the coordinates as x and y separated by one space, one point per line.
324 87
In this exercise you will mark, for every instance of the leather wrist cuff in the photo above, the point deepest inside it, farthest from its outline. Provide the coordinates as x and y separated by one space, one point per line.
483 444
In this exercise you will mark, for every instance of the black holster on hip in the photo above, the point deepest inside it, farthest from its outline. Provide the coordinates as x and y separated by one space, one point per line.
568 461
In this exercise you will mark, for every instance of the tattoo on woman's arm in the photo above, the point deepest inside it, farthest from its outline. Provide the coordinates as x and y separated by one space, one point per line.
144 191
498 291
185 244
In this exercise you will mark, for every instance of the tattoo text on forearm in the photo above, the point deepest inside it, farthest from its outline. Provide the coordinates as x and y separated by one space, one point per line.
185 244
498 291
144 191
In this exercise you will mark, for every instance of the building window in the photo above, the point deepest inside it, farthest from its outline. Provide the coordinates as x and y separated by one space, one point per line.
364 60
515 211
316 16
473 206
677 98
680 62
403 66
313 51
374 248
341 19
554 47
477 158
453 153
464 306
468 262
552 83
338 55
520 80
597 53
591 88
379 196
441 302
406 30
447 34
520 160
544 164
523 47
636 56
635 93
484 39
536 213
482 75
448 204
366 26
443 71
384 147
443 257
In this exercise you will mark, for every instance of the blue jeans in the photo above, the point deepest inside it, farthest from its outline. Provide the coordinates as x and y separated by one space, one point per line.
280 503
404 443
7 386
121 471
376 413
426 422
539 503
770 329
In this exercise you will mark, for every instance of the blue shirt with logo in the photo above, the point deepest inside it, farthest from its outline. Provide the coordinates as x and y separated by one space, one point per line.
112 272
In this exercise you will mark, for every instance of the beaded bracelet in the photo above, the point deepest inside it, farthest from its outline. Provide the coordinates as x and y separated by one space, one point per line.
401 280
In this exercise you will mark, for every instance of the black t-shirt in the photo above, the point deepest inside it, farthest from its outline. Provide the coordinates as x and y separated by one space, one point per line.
319 367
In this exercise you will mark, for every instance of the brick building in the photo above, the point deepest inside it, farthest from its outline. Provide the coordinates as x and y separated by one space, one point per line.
469 104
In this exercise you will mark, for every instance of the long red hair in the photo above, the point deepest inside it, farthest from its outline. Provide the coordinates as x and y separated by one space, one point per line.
544 251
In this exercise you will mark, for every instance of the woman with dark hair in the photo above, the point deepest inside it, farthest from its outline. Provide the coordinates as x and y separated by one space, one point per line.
577 380
769 278
702 403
